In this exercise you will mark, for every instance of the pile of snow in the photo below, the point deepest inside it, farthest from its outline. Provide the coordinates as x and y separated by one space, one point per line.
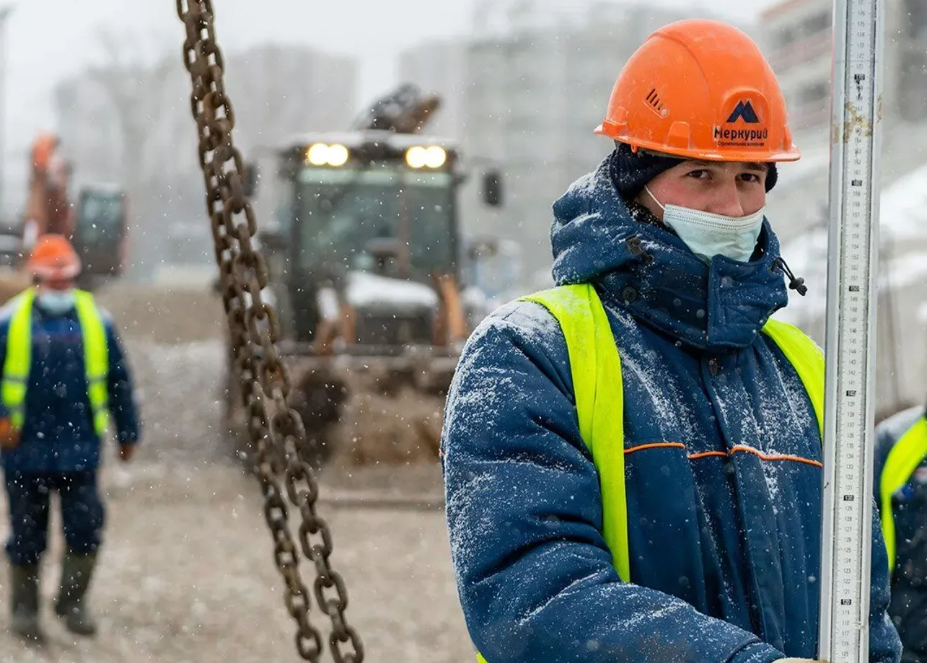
369 290
904 207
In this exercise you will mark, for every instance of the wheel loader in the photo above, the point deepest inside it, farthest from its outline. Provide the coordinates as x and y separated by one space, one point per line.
364 254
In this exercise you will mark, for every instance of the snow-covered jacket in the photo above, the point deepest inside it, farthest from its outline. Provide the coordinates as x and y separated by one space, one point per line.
722 460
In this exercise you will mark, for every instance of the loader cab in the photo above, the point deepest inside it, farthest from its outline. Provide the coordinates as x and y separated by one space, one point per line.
375 202
100 228
371 212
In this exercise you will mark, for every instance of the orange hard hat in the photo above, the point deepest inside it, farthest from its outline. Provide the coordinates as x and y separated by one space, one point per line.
53 258
700 89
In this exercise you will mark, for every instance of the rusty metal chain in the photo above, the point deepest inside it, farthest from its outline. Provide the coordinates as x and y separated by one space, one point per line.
275 430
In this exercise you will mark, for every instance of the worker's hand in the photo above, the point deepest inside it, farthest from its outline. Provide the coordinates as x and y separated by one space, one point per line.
9 436
125 452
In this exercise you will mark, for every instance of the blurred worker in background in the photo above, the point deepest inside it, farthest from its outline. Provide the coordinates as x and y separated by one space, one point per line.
64 374
901 493
633 459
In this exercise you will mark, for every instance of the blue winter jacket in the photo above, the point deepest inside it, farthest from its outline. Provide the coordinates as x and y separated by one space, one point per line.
723 464
58 434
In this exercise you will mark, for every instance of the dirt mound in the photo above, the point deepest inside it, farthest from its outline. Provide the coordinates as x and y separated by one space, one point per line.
170 315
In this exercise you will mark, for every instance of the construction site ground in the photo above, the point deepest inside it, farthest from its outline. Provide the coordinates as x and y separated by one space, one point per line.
186 572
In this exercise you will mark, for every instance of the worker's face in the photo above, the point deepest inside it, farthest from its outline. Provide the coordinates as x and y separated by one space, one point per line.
725 188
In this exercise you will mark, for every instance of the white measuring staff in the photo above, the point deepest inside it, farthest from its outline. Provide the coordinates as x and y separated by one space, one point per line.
851 318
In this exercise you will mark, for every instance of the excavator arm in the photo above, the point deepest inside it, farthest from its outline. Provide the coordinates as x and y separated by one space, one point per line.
405 110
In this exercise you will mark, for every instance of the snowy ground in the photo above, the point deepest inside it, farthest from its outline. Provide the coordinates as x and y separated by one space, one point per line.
186 571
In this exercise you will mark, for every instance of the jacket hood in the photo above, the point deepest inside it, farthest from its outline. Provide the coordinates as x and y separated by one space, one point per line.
649 271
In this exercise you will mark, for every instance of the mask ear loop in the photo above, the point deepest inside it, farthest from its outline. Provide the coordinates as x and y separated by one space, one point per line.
654 198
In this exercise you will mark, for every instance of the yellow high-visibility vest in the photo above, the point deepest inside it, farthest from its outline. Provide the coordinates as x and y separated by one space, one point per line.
905 457
595 366
18 360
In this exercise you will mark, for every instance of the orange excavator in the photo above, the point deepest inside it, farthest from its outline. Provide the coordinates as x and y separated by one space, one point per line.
97 225
48 209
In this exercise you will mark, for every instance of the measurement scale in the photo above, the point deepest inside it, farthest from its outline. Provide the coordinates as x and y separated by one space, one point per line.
849 411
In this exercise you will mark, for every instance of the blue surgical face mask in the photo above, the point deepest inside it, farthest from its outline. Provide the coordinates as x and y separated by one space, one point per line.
708 235
56 302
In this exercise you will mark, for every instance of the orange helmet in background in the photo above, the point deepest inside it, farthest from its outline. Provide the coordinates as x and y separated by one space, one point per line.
700 89
53 259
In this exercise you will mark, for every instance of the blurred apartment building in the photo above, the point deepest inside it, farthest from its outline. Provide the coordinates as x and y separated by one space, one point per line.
797 39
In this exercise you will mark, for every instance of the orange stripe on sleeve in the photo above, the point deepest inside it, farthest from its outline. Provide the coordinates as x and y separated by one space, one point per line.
707 454
655 445
796 459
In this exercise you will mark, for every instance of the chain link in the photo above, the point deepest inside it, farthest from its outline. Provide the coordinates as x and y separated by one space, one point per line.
265 382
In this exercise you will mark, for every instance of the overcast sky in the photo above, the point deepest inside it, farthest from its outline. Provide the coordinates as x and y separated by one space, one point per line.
49 39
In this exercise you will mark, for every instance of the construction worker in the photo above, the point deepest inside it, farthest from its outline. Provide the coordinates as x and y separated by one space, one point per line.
661 502
901 493
64 373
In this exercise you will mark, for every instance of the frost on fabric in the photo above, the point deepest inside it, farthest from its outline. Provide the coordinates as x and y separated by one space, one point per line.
469 369
584 233
573 263
584 186
674 412
479 383
490 381
486 371
778 420
771 473
798 407
466 507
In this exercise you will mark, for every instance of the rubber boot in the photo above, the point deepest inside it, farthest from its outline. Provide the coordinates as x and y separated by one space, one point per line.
24 590
71 604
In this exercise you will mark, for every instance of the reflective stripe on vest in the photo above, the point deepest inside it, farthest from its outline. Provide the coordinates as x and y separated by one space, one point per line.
595 366
905 457
18 360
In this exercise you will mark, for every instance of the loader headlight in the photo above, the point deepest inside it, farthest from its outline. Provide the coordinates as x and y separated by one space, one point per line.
337 155
435 157
321 154
416 157
421 157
